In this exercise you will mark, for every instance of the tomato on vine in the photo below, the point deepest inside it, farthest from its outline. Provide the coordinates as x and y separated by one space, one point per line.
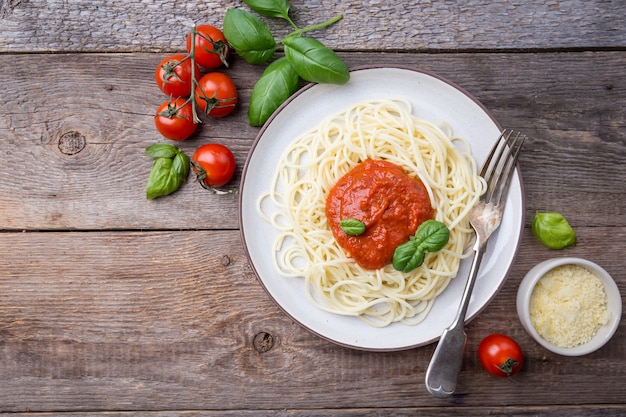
214 166
173 75
500 355
210 49
174 119
216 94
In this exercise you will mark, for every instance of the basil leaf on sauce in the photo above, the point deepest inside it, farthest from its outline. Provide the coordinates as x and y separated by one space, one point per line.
553 230
406 256
352 227
431 236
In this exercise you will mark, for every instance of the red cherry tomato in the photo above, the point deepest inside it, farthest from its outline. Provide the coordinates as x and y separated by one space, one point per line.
216 94
173 75
174 119
211 50
500 355
214 165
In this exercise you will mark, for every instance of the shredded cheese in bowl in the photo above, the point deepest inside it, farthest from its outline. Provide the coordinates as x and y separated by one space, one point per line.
568 305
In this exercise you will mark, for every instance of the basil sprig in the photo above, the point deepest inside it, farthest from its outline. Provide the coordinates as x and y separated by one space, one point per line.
249 36
277 83
314 62
306 57
553 230
431 236
352 226
271 8
169 169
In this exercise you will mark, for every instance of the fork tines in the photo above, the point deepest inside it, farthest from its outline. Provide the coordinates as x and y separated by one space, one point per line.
501 161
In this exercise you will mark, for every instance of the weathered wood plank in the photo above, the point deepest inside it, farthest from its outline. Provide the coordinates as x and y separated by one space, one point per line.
168 321
531 411
114 305
575 122
157 25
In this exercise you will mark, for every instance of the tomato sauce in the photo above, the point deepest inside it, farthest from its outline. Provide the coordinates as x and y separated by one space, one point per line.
390 203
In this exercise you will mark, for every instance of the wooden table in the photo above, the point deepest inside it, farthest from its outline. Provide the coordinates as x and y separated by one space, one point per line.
113 304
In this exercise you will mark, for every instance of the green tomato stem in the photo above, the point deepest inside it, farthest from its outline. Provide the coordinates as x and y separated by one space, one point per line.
201 176
194 83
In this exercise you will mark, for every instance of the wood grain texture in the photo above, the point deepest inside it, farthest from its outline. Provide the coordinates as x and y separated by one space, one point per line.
113 305
576 155
530 411
367 25
168 320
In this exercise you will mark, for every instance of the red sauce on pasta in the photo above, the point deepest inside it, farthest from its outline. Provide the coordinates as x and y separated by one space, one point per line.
390 203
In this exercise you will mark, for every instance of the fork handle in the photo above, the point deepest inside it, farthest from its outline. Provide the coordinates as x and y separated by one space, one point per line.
444 367
479 251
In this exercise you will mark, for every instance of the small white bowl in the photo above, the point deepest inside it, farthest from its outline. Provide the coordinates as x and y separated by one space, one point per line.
613 298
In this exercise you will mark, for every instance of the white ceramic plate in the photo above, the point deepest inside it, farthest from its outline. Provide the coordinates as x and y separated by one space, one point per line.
433 99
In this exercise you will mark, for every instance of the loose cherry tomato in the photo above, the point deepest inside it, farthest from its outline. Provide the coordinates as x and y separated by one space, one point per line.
211 50
173 75
214 165
500 355
174 119
216 94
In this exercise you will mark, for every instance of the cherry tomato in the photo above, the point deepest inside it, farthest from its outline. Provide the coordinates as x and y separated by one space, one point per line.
216 94
174 119
214 165
500 355
211 50
173 75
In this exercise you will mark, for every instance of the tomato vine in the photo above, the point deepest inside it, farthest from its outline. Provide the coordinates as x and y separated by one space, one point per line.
177 118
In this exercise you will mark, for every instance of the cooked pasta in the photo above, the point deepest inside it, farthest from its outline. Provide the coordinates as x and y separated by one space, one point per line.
315 161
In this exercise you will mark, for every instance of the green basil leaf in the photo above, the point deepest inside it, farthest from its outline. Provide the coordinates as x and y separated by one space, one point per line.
161 150
315 62
249 36
163 179
406 257
431 236
181 165
352 227
277 83
270 8
553 230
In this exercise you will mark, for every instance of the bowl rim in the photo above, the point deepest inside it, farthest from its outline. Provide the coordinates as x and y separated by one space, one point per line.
613 296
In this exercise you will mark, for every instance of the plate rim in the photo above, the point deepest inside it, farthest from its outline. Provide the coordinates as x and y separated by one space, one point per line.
253 147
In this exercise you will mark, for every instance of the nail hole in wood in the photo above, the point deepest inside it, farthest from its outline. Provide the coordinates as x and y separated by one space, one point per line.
225 260
263 342
72 142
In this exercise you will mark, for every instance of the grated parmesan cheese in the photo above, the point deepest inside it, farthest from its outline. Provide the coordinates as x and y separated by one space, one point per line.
568 306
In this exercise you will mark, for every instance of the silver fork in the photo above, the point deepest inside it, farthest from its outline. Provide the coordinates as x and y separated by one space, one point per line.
445 365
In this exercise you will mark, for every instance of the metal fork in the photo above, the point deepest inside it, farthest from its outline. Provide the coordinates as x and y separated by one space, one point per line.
485 217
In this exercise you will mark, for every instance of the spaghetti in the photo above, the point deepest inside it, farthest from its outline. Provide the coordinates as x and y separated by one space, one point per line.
314 162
